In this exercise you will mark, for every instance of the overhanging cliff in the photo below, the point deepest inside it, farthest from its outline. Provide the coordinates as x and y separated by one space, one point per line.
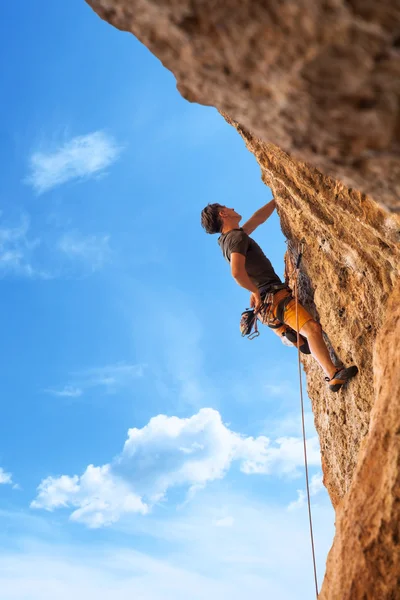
321 80
318 78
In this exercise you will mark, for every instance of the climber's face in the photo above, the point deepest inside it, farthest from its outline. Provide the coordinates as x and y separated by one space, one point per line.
229 214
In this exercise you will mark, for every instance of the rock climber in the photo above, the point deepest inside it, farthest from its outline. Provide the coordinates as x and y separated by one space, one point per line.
252 270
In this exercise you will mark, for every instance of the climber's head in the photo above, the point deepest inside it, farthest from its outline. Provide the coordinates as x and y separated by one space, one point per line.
215 218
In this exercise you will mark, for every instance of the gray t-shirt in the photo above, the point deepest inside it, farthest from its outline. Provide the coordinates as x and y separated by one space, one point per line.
258 267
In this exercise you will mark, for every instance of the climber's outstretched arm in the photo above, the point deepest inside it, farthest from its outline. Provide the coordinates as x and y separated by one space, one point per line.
259 217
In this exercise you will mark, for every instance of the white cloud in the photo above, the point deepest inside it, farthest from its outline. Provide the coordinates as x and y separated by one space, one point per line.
5 477
16 249
111 378
199 449
67 392
174 556
45 572
316 486
93 250
169 452
300 502
99 496
264 537
79 158
20 251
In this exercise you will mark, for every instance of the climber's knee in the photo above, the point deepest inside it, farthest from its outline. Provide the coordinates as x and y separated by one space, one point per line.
311 329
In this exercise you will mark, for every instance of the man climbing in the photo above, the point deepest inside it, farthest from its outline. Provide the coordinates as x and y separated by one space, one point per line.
252 270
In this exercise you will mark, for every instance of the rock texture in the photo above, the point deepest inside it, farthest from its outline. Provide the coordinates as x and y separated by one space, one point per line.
319 78
364 562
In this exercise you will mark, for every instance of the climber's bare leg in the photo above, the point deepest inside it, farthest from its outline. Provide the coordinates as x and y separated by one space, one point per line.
313 332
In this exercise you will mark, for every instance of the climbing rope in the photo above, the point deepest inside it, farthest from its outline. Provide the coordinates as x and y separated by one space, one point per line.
299 257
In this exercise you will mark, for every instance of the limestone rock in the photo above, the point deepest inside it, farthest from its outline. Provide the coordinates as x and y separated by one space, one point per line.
318 78
364 562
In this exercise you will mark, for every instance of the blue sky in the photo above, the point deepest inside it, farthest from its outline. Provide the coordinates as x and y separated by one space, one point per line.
145 447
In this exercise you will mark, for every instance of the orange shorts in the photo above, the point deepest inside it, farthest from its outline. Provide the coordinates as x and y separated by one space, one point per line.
289 315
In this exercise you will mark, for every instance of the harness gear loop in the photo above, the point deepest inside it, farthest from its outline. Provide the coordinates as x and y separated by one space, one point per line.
296 295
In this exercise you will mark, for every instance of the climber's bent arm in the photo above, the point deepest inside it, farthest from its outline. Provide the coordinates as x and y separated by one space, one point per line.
259 217
239 272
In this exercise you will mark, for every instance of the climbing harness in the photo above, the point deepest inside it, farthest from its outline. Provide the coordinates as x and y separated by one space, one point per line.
296 295
272 315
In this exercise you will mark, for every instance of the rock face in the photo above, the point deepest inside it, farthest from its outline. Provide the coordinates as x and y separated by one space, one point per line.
364 562
318 78
321 80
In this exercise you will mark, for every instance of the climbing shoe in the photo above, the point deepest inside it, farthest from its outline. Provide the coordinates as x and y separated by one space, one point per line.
341 376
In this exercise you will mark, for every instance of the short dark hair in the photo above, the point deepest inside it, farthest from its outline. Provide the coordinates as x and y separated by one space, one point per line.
211 219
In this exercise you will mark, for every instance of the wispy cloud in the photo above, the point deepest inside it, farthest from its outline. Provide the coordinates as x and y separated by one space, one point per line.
67 392
76 159
16 249
168 452
220 567
26 254
110 378
183 554
92 250
316 486
5 477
